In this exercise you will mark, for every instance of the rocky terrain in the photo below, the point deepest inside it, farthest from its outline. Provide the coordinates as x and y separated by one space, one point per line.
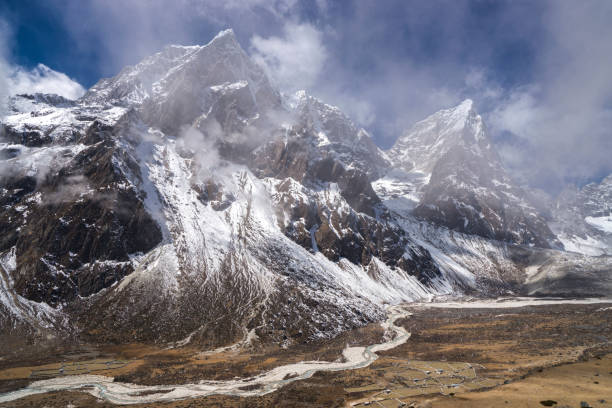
459 354
187 201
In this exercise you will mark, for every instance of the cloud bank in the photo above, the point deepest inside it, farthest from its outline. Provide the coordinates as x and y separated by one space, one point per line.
15 79
44 80
538 71
562 121
293 60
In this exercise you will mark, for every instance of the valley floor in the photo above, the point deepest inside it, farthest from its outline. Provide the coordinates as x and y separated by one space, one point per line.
485 355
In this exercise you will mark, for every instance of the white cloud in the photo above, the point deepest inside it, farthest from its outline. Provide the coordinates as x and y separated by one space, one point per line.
44 80
278 7
17 80
563 119
359 109
559 110
517 111
295 60
478 82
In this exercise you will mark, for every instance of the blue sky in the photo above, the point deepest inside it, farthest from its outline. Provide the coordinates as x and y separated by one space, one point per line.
537 70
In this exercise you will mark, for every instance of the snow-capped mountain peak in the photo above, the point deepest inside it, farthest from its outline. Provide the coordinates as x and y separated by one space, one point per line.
428 140
175 87
334 134
417 151
447 171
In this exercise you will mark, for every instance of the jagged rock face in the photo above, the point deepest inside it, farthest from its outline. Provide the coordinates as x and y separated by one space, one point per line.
598 198
582 218
282 159
26 138
74 229
475 197
293 158
325 221
333 134
183 85
39 99
212 193
346 221
324 146
460 183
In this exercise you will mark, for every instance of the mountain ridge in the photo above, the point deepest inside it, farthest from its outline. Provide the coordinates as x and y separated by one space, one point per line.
184 200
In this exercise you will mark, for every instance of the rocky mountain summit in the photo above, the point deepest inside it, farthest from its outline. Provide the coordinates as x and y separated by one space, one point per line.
187 200
449 168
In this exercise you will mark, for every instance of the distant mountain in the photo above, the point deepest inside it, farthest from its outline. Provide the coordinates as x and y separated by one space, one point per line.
450 168
583 218
186 200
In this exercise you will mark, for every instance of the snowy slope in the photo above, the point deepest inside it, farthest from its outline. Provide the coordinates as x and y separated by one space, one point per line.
582 218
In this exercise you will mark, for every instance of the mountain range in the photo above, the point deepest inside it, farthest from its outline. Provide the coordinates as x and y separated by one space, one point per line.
187 200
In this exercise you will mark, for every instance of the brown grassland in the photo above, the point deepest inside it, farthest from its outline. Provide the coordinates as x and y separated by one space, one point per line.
556 355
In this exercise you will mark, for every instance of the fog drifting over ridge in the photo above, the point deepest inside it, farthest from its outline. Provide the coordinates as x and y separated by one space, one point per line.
536 72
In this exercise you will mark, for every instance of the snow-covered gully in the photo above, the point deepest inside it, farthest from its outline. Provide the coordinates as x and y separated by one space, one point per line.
355 357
